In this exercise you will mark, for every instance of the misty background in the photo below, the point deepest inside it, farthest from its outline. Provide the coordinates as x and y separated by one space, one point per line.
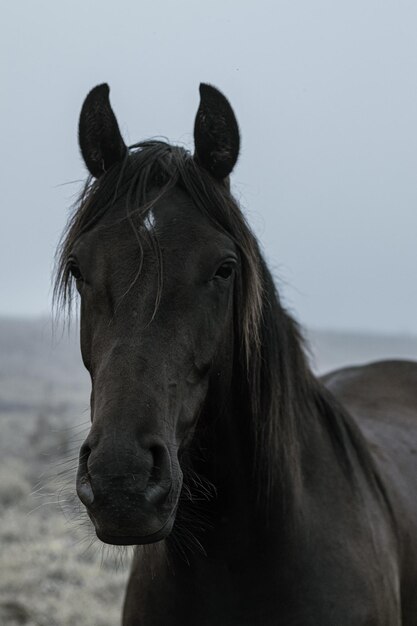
326 97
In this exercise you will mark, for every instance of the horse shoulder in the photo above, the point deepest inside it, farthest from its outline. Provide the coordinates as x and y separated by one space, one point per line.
382 399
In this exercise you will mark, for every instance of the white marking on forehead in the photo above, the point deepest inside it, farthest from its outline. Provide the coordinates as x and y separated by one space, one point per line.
150 221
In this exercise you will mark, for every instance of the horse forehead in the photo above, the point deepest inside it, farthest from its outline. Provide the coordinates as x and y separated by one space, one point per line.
181 230
175 209
178 222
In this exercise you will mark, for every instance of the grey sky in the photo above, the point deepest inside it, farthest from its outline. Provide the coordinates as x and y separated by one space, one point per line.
326 96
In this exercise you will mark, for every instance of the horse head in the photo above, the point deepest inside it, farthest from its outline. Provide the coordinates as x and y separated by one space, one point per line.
159 253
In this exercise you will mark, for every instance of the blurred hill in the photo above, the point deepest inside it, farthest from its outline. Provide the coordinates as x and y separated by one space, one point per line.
44 388
333 349
37 359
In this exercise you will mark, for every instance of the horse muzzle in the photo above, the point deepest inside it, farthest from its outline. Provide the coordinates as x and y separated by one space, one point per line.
131 496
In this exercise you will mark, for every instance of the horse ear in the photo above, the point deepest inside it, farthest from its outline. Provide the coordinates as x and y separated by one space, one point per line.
216 133
99 137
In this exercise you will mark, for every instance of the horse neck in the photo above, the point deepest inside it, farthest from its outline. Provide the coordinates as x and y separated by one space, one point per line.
274 443
253 448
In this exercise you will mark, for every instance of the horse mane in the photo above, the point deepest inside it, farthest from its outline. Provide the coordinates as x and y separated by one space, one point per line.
276 381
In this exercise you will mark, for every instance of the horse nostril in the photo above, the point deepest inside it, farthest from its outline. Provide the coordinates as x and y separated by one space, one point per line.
84 488
157 454
85 452
160 478
85 491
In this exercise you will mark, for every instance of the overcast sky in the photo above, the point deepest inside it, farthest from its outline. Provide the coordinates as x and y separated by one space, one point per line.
326 96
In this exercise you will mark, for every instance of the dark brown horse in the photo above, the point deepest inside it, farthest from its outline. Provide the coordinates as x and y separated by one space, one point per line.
270 497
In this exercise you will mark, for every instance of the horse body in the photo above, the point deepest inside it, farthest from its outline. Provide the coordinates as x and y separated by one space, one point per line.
382 398
352 560
269 497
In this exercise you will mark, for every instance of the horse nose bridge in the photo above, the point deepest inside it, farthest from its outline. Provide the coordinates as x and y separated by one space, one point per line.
130 407
125 412
114 455
130 387
125 426
123 357
126 363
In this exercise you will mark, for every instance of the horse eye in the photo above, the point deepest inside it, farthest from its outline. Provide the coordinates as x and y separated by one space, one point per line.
225 270
75 271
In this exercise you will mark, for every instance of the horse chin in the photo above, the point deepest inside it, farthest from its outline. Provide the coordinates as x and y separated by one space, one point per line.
130 535
137 540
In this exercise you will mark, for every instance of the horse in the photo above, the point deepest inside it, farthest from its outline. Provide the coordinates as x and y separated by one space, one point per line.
254 493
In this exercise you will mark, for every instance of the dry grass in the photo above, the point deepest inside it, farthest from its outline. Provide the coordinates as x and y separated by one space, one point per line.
52 570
